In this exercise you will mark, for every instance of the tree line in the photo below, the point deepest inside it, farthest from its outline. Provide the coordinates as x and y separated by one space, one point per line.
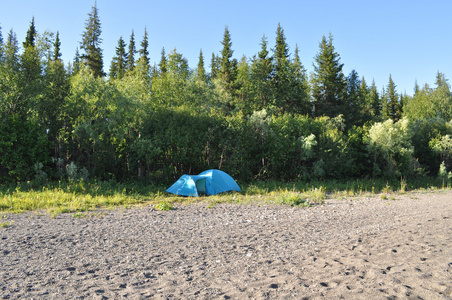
261 117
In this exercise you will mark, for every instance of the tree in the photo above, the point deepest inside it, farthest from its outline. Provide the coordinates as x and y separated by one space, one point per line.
355 100
261 74
214 66
328 81
163 62
373 100
1 45
30 74
430 102
200 70
131 53
31 35
57 48
298 98
144 52
288 79
51 107
280 70
177 65
281 52
142 67
393 110
228 66
119 62
91 42
9 76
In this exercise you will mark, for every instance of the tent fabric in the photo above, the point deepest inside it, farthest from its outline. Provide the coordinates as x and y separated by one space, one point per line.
210 182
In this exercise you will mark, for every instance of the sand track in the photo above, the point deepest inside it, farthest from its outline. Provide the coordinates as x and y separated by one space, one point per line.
352 249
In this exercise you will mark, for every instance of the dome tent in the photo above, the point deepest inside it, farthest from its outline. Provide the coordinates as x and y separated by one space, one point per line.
210 182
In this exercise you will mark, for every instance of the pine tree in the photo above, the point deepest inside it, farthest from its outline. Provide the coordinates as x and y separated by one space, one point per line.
131 53
201 71
119 61
91 42
328 81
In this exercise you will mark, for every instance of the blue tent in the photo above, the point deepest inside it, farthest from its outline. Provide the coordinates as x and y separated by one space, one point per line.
210 182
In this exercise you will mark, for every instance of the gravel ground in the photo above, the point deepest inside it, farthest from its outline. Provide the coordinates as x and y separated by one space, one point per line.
364 248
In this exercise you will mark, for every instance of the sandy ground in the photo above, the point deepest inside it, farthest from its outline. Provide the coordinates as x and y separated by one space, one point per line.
352 249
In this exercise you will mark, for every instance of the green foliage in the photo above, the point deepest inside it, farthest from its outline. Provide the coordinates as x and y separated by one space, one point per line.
428 103
443 147
23 143
164 206
259 118
390 148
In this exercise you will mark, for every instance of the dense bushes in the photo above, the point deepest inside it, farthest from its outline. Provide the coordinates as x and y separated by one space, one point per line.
260 118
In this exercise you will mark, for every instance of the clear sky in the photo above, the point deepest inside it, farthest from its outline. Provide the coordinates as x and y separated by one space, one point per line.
409 39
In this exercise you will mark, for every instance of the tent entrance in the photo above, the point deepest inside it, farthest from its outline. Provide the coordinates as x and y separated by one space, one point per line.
201 186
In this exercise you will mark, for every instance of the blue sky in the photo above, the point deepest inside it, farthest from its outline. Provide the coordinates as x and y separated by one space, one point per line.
409 39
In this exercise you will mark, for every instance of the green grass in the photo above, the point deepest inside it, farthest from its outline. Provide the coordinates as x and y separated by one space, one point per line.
81 197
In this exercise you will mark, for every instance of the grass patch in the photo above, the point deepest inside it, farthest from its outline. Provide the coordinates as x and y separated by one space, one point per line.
164 206
5 224
81 197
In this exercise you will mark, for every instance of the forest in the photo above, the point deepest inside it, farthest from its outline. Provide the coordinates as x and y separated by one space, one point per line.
258 118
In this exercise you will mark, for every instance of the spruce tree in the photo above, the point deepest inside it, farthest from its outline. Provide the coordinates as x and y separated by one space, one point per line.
119 61
328 81
200 70
57 48
142 67
280 82
31 35
91 42
144 52
1 45
298 98
163 65
9 76
394 109
131 53
281 54
56 91
77 62
228 66
261 72
11 54
214 66
354 100
374 101
30 65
